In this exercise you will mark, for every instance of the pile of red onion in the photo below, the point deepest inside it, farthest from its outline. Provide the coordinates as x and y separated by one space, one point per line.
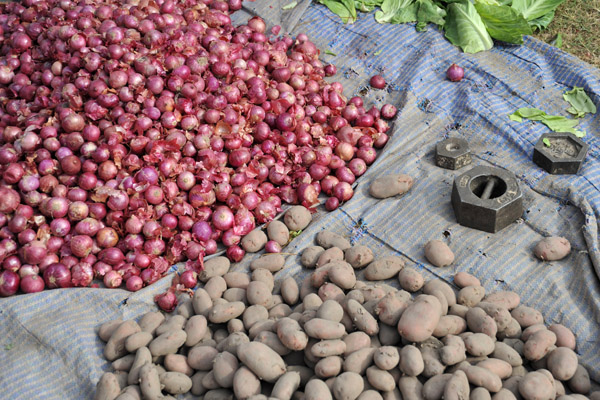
138 134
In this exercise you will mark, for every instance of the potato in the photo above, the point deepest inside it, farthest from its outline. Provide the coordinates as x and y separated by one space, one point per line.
361 318
311 302
330 310
175 382
433 389
450 325
215 287
131 392
150 382
218 394
504 394
202 302
386 357
221 313
358 256
224 367
580 382
347 386
201 358
530 330
264 275
564 336
290 291
479 376
255 241
278 232
108 328
390 185
124 363
356 341
178 363
370 395
258 293
342 274
328 367
411 361
497 366
270 262
217 266
500 314
107 387
297 218
527 316
320 328
552 248
360 360
458 310
137 340
391 306
438 284
438 253
272 341
327 239
235 294
232 342
245 383
410 388
286 385
509 300
432 361
380 379
410 279
326 348
263 361
479 322
536 386
457 387
330 291
173 323
454 350
562 363
167 343
470 295
330 255
464 279
419 320
291 335
310 256
142 357
539 344
383 268
479 344
316 389
115 347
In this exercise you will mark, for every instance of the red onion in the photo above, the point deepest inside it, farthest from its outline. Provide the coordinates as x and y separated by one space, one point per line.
377 82
222 218
455 73
81 245
272 247
235 253
166 301
32 283
57 276
388 111
112 279
332 203
82 274
343 191
9 283
189 279
134 283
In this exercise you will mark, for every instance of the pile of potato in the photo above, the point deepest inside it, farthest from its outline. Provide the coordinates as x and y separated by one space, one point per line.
251 336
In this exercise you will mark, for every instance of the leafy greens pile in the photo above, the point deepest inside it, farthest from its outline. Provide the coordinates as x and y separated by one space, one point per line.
470 24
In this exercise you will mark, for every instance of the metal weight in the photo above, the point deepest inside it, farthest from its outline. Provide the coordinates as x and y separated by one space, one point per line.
487 198
560 153
452 153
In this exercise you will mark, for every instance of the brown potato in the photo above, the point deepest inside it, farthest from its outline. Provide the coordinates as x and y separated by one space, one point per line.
255 241
217 266
470 296
245 383
107 387
383 268
562 363
419 320
277 231
358 256
539 344
552 248
390 185
410 279
297 218
536 386
347 386
464 279
270 262
263 361
564 336
438 253
327 239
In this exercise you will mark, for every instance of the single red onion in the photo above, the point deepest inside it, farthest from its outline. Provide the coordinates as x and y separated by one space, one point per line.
9 283
272 247
377 82
32 283
455 73
189 279
134 283
112 279
57 276
235 253
166 301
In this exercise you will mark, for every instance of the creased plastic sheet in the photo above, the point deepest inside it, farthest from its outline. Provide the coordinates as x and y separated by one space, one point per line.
48 344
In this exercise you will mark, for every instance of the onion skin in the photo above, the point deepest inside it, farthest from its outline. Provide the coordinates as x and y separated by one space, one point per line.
455 73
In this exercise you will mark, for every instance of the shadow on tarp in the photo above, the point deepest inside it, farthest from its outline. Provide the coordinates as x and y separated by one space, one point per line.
48 345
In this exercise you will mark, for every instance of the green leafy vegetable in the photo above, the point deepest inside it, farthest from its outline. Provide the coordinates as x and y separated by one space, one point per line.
347 14
8 346
429 12
542 22
293 234
331 53
557 41
546 142
503 23
464 28
556 123
378 52
580 102
390 8
532 9
290 6
367 5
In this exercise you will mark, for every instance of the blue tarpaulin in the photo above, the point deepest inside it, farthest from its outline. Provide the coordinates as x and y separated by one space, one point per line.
48 343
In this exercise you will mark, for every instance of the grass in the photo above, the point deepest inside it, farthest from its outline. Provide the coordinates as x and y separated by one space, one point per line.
578 22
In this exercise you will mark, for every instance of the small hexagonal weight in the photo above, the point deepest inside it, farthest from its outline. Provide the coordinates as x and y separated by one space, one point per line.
452 153
487 198
563 156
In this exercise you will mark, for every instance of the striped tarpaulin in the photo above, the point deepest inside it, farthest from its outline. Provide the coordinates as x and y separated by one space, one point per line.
48 346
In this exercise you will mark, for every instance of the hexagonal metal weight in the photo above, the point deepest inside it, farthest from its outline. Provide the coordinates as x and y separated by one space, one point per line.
564 155
452 153
487 198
